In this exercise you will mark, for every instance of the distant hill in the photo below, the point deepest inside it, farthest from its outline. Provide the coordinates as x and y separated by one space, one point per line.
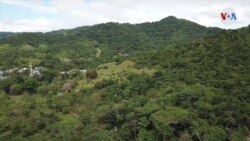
79 45
5 34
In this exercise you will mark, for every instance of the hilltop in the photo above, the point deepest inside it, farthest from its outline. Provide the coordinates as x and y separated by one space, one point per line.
114 40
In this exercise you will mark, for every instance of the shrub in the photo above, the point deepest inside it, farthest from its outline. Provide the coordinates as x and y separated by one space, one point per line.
92 74
16 89
103 84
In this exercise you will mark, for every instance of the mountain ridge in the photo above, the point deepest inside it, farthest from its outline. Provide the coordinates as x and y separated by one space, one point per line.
111 38
166 19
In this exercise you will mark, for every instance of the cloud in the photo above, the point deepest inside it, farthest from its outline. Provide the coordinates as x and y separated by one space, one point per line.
31 4
75 13
27 25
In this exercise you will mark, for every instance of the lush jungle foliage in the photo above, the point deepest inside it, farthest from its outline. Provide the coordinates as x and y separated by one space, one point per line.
165 81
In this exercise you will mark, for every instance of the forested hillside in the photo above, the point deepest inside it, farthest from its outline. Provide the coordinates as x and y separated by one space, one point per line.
5 35
79 46
163 81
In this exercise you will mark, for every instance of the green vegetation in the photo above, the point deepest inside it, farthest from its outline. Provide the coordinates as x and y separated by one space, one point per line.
164 81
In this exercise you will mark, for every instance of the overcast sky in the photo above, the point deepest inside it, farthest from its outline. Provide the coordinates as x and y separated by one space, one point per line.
48 15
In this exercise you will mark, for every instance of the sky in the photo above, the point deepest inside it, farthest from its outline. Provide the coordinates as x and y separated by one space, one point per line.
49 15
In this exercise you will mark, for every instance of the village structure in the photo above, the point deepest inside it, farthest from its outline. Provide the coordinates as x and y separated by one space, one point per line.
36 71
33 72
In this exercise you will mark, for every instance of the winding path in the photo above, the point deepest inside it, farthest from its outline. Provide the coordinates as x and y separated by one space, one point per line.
99 51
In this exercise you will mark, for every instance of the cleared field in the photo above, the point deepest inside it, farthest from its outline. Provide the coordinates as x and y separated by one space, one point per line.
113 71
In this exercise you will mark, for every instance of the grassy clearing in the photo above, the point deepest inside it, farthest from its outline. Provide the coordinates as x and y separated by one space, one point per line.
113 71
40 101
68 119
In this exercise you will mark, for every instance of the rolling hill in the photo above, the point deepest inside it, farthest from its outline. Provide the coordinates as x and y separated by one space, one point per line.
167 80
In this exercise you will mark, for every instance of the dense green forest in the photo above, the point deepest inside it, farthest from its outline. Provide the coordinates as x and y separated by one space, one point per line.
171 80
